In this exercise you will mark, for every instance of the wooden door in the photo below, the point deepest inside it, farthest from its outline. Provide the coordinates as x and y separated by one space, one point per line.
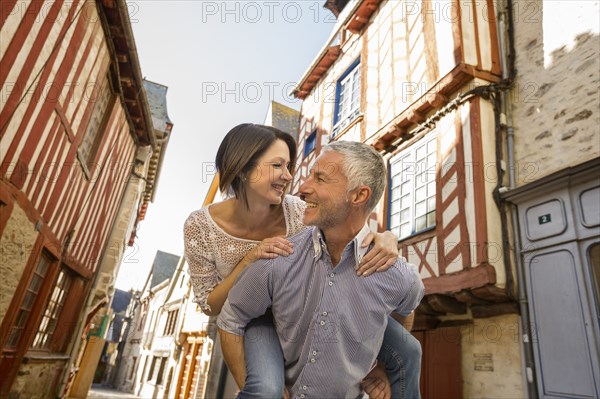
441 376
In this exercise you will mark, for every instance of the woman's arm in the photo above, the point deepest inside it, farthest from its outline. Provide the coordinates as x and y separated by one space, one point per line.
383 254
232 347
208 290
268 248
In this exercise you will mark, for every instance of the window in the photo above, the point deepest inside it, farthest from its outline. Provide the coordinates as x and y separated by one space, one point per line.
412 196
47 326
132 368
347 99
310 143
156 374
27 305
171 321
152 366
161 370
103 102
144 369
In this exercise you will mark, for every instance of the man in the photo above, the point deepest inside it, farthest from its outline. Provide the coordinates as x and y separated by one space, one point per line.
330 322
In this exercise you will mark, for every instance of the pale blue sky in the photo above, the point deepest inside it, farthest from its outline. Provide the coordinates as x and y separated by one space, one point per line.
223 62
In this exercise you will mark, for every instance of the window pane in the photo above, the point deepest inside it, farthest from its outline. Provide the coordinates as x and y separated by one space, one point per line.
431 189
431 219
395 193
421 194
395 220
404 215
408 167
28 301
431 204
421 153
405 201
431 161
406 187
420 208
42 266
21 318
421 179
431 146
15 334
405 230
420 223
395 207
35 284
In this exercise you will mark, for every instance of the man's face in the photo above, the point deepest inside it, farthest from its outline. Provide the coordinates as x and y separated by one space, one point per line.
326 192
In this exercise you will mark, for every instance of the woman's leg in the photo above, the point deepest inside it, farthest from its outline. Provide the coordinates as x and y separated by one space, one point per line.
401 353
264 361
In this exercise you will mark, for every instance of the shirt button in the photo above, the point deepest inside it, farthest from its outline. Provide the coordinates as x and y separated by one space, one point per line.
314 353
322 323
304 387
330 283
332 274
302 396
324 313
312 360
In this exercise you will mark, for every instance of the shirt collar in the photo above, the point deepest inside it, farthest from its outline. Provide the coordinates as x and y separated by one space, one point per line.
359 251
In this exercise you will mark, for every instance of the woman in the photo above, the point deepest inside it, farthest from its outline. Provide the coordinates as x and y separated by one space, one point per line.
255 165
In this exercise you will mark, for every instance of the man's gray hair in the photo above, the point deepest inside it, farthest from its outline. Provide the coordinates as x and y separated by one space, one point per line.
362 165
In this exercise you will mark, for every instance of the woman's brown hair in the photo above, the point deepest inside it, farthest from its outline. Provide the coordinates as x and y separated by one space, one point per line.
239 153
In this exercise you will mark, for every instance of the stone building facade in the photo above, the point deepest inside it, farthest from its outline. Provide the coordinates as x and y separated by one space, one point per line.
553 148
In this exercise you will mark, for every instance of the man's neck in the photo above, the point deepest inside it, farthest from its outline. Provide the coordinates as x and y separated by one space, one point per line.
339 236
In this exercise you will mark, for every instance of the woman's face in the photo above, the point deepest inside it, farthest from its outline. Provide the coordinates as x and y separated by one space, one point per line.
268 180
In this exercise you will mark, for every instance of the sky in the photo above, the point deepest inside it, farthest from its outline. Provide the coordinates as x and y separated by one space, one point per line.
224 62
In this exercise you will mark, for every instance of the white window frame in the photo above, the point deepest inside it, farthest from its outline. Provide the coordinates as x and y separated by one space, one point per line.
412 196
347 105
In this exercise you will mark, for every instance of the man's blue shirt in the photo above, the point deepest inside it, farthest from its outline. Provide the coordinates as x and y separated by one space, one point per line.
330 322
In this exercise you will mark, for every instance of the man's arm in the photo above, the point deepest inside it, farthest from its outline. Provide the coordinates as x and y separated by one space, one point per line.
232 347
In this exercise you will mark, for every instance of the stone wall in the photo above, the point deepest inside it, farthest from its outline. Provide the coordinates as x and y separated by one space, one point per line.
556 103
36 380
16 245
491 358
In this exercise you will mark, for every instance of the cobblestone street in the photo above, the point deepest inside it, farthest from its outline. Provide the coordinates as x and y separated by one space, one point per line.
100 392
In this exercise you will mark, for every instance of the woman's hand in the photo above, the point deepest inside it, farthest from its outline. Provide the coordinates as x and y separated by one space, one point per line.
270 248
376 383
383 254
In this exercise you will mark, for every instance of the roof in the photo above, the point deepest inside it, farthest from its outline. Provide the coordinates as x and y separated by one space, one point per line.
283 118
163 267
353 16
157 101
120 301
116 24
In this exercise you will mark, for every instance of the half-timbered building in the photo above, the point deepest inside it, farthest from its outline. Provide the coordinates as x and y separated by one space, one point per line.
76 133
418 81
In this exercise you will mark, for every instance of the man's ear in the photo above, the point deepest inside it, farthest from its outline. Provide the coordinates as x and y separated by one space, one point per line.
360 195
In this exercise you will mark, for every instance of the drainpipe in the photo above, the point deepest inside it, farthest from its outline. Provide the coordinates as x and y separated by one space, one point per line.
506 28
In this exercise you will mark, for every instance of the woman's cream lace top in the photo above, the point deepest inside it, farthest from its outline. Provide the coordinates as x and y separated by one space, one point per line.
212 254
